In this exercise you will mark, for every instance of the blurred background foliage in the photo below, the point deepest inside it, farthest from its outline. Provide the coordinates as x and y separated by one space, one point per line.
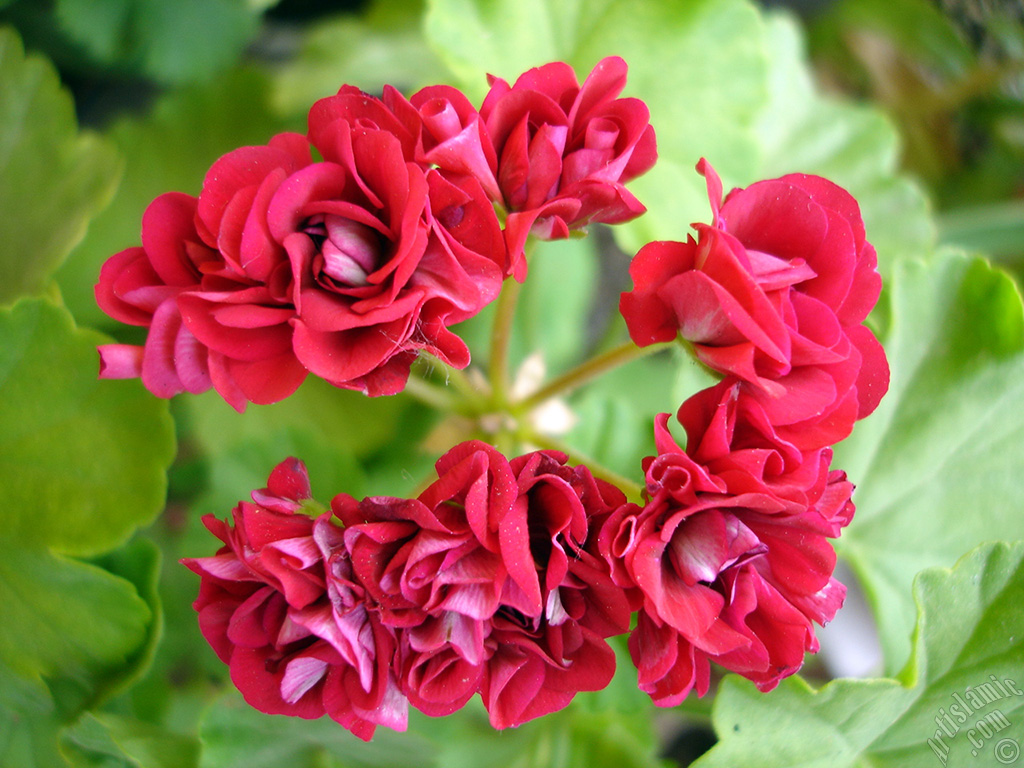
161 89
950 73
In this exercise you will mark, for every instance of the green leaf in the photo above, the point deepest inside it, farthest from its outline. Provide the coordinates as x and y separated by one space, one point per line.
936 466
105 739
234 735
28 721
856 146
68 623
139 564
501 37
53 179
385 45
84 460
170 42
74 634
170 149
996 229
958 702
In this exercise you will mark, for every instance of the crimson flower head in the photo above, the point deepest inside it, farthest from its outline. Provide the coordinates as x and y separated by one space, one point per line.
564 151
278 604
729 557
773 292
489 578
347 267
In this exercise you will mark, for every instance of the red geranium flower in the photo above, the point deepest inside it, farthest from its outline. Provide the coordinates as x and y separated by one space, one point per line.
774 292
564 151
730 555
278 604
488 579
347 268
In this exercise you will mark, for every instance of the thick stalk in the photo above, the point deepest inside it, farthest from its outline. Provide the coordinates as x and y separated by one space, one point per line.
501 333
429 394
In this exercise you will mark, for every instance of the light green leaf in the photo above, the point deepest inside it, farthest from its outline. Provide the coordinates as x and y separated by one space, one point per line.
53 179
958 702
856 146
83 460
384 45
936 466
502 37
168 150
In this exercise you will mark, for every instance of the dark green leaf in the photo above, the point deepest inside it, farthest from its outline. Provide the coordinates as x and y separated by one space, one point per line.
172 42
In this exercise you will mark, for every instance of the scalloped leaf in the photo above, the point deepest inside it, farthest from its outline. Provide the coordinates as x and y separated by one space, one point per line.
936 466
84 460
53 179
958 702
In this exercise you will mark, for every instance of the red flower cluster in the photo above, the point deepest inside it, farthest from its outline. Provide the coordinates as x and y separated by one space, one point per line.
729 557
488 582
349 266
773 292
504 578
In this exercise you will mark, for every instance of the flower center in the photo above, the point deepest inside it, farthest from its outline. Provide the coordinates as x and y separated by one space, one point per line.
349 251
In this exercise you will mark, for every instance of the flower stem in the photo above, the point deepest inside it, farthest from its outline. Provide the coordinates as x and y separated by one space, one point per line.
431 395
586 372
501 333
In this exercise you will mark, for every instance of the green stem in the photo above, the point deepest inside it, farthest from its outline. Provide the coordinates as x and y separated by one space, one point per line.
587 371
501 333
461 382
633 491
431 395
